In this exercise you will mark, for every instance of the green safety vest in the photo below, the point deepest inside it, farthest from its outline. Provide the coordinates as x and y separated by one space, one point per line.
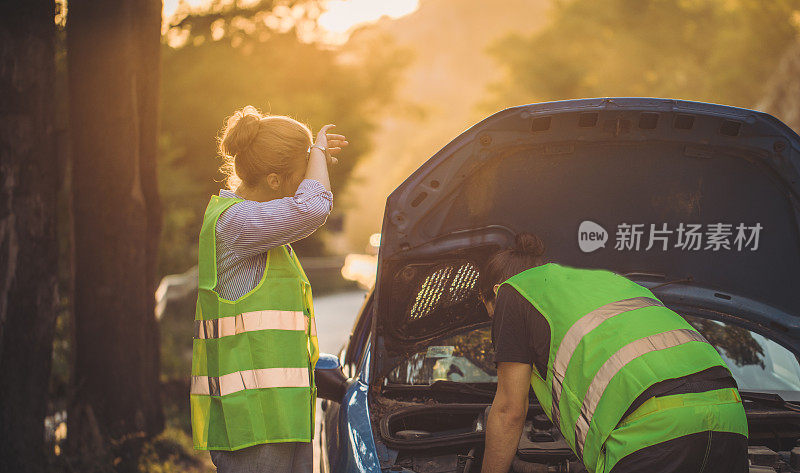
252 358
610 339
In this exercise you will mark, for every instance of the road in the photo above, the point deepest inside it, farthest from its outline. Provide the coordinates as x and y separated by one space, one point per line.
335 315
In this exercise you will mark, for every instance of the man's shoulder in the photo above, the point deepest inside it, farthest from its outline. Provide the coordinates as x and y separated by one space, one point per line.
510 295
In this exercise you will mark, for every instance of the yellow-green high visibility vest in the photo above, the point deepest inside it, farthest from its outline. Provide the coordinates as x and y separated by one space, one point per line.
252 358
610 339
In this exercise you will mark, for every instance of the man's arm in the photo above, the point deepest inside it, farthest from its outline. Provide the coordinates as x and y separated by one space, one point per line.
507 416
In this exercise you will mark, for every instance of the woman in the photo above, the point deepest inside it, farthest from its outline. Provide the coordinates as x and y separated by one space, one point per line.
255 346
631 385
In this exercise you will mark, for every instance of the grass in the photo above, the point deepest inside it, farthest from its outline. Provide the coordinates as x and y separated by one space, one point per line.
172 452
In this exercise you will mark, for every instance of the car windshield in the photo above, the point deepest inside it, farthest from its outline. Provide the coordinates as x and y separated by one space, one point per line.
757 363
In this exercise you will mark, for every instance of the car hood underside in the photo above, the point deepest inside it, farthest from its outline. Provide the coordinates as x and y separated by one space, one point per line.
678 191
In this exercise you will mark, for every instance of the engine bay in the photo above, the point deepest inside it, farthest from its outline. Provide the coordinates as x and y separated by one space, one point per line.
420 432
449 438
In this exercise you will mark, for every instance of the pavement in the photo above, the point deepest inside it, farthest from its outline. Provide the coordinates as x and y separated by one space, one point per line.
335 315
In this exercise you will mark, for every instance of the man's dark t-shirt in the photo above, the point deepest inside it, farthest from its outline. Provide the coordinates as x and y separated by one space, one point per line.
521 334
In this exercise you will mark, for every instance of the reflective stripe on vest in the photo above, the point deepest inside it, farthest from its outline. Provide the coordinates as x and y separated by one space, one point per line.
250 379
580 329
613 365
251 322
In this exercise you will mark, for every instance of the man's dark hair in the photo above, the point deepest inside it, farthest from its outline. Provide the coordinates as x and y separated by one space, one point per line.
527 252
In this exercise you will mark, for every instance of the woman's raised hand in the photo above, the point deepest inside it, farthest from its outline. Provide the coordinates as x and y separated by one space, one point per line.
332 142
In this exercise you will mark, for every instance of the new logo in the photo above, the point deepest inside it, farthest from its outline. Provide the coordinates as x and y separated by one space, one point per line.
591 236
716 236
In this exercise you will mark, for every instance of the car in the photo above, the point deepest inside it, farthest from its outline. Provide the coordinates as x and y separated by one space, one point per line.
698 202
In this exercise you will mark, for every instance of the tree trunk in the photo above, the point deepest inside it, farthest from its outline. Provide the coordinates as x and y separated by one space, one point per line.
28 246
114 63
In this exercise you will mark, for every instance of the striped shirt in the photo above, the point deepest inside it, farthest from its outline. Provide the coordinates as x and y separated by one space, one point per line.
247 230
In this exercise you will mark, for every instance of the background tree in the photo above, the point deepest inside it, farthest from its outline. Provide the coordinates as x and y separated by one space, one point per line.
113 75
782 96
28 245
710 50
224 57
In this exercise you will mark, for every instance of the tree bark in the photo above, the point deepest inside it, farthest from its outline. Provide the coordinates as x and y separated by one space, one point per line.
114 63
28 245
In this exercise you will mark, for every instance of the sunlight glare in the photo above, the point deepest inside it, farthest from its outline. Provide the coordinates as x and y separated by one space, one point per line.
341 15
171 6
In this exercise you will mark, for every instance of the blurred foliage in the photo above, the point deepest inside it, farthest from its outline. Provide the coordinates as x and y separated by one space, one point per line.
172 452
719 51
225 57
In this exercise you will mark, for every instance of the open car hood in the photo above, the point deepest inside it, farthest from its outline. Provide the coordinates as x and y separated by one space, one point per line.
662 189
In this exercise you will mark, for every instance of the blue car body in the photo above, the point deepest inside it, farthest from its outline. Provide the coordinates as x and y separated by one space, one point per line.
346 439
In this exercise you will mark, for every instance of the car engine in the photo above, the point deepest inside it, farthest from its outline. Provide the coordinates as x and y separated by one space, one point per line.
542 448
449 438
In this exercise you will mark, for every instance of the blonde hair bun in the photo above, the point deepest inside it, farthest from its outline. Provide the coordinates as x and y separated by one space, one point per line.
240 131
253 145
